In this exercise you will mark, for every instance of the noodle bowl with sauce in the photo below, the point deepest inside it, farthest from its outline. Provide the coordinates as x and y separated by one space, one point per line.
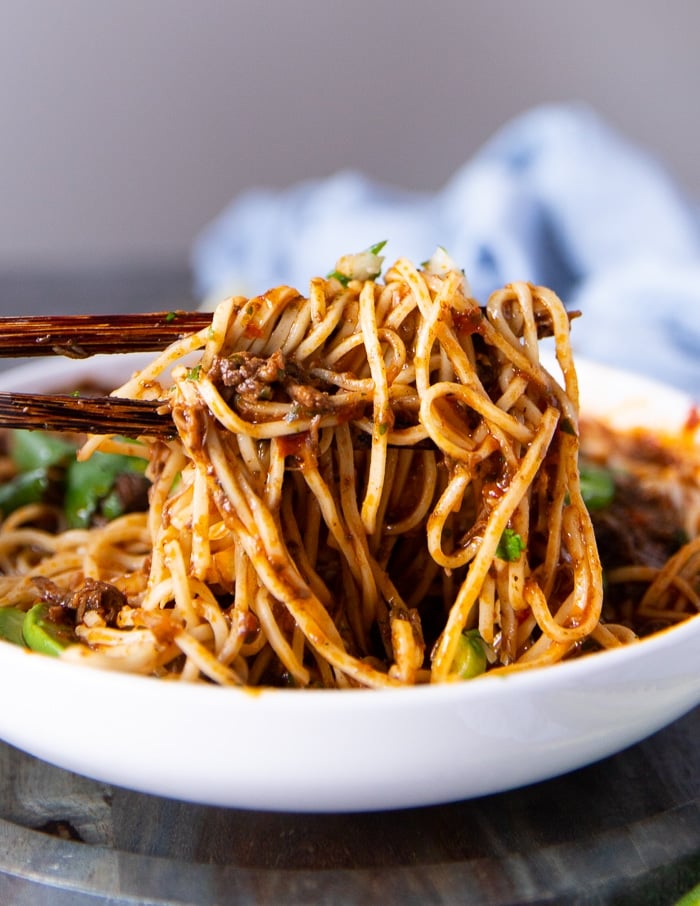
376 485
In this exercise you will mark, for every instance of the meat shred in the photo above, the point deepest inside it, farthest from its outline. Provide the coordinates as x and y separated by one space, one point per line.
93 595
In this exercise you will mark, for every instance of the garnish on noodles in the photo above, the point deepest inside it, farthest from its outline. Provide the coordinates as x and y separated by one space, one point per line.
376 484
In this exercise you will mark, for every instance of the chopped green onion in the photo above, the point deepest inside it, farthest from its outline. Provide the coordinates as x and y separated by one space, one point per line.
511 546
366 265
343 279
441 264
597 486
470 658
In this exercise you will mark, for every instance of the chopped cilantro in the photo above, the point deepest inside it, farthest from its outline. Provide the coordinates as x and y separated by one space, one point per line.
193 373
170 317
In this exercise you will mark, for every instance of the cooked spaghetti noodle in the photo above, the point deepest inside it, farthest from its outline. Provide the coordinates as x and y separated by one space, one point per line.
360 480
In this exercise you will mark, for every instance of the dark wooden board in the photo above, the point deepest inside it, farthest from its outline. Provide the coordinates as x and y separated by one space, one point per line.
625 830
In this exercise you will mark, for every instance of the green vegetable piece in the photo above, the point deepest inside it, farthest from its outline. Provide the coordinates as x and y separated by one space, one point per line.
597 486
43 635
11 620
511 546
111 506
27 487
691 898
470 659
90 481
39 450
343 279
377 247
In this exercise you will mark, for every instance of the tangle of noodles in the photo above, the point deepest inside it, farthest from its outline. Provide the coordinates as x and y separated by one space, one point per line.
358 477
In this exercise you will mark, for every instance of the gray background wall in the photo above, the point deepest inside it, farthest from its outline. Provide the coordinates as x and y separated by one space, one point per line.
125 126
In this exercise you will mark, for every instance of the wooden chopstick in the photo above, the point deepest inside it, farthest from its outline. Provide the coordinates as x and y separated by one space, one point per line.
86 415
80 336
108 415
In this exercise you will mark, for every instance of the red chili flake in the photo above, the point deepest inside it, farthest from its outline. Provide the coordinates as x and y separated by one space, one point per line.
467 322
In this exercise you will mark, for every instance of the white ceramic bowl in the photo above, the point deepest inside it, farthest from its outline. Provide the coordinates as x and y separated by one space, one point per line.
321 750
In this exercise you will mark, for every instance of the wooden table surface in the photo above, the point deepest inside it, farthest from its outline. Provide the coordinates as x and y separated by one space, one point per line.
623 831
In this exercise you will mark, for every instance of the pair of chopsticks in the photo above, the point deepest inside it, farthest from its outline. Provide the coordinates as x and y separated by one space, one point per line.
81 336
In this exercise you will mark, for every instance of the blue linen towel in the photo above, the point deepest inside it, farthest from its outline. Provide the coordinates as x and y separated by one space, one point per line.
557 197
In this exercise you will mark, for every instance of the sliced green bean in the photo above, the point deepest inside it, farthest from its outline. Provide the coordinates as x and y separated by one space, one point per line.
38 450
11 621
88 482
44 635
24 488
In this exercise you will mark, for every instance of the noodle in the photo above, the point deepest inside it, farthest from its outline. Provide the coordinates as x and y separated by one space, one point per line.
357 479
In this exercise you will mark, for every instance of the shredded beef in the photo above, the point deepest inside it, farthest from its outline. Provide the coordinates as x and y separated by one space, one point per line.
93 595
132 491
309 398
103 597
247 374
640 526
252 377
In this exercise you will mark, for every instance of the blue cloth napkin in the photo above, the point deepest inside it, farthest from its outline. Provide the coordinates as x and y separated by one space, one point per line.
556 197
